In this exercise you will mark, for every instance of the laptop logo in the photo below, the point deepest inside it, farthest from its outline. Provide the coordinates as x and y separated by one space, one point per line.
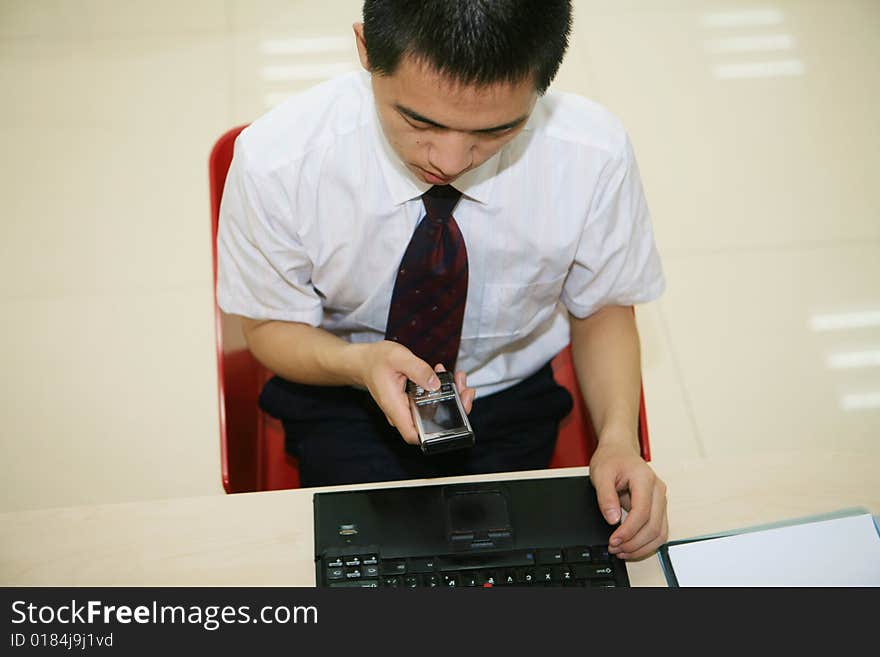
348 530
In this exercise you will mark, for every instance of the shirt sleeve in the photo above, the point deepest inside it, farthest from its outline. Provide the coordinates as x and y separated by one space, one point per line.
263 269
616 262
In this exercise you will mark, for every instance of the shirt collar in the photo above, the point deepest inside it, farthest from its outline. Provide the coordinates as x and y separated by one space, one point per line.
404 185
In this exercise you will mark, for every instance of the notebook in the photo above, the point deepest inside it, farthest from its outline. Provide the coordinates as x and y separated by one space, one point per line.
837 550
523 532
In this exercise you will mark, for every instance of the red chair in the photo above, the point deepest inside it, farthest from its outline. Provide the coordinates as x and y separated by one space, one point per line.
252 443
252 451
577 439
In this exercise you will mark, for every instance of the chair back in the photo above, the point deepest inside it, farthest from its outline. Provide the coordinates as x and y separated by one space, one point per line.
252 453
577 438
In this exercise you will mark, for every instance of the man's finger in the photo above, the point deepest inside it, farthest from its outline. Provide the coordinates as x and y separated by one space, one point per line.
652 546
407 429
414 368
649 533
466 394
467 399
397 410
460 381
640 490
606 494
420 373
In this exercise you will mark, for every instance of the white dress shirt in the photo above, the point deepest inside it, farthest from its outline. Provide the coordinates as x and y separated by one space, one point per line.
318 210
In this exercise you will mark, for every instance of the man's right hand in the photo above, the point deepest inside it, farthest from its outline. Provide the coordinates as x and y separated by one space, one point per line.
384 368
312 356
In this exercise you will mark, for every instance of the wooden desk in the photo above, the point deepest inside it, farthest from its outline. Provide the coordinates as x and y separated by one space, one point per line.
265 539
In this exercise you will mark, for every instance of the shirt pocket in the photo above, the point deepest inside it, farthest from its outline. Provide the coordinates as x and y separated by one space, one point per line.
514 310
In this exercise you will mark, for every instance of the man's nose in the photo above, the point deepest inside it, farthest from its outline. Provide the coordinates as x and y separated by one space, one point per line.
451 153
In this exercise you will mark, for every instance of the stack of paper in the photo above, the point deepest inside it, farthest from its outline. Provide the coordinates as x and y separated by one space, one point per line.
838 552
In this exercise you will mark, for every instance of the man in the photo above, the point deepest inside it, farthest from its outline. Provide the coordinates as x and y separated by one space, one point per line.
438 210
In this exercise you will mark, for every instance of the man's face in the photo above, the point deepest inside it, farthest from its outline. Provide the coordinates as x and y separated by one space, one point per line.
440 128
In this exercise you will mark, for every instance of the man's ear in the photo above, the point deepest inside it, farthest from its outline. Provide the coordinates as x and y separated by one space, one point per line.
361 46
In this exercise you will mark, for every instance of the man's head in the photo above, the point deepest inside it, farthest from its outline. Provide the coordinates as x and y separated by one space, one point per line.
455 80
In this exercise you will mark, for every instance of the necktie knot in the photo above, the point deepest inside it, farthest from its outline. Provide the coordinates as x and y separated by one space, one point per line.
439 201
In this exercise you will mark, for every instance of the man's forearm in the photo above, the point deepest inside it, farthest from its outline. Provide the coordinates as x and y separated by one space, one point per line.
607 360
303 353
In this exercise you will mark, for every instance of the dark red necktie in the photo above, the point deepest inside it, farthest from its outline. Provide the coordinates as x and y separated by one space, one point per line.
427 305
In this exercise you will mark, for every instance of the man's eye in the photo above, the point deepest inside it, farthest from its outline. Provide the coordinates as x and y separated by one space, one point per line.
494 134
417 125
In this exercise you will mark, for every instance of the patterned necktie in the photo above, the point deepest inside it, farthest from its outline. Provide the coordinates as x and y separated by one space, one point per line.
427 305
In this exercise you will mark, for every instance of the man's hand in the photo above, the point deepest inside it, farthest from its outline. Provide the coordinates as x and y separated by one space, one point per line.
384 368
623 479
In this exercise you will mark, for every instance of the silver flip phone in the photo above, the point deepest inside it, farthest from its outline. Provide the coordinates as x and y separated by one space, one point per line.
439 416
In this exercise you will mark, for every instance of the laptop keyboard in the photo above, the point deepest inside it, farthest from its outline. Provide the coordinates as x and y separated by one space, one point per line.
583 566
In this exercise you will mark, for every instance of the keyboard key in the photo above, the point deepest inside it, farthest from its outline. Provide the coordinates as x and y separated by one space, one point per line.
545 575
577 554
491 578
600 553
593 570
393 567
335 573
527 576
335 563
451 580
422 565
472 578
352 562
371 571
356 584
353 573
370 560
393 581
549 556
494 560
603 584
564 574
500 534
509 578
412 581
432 581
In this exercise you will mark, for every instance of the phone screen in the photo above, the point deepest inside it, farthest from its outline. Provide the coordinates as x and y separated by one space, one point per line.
439 416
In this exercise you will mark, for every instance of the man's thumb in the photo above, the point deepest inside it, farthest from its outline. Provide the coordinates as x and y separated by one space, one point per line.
420 373
606 494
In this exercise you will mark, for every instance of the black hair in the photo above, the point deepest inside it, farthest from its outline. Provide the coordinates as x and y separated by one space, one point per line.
471 41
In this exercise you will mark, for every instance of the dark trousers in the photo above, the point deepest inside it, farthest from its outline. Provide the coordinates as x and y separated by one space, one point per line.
340 436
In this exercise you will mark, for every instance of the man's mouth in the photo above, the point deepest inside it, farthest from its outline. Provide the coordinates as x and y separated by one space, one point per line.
433 178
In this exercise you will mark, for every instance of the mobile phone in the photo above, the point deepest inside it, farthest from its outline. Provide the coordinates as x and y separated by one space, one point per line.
439 416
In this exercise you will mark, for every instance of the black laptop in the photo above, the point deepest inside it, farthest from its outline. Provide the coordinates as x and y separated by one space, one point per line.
523 532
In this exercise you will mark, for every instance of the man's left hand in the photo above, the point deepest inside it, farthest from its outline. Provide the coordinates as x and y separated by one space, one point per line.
622 479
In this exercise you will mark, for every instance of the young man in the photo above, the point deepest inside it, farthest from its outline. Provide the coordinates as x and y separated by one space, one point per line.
536 234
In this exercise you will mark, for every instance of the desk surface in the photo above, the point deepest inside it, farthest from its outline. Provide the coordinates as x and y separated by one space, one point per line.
265 539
